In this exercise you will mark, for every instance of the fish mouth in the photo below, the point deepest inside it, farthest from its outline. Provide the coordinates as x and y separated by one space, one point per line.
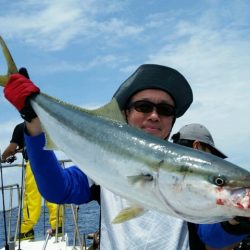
241 198
237 198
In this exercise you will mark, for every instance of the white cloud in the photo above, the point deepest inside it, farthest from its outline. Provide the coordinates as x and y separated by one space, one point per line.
52 25
64 66
216 62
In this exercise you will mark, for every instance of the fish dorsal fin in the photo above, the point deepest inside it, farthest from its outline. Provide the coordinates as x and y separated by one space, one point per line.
110 110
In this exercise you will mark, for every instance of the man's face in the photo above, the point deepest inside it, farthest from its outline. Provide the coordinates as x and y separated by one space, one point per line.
152 122
202 147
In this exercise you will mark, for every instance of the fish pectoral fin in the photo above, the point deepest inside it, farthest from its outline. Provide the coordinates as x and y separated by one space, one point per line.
142 178
128 214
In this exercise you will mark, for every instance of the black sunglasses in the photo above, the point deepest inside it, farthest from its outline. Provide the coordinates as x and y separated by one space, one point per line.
162 108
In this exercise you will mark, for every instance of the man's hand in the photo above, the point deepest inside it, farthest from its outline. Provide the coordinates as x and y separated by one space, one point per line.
18 92
244 222
237 226
11 159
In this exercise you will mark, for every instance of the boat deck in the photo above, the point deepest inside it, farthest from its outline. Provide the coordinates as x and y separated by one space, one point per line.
48 244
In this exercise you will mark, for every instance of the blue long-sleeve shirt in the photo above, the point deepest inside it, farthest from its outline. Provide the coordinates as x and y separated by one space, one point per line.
213 235
71 185
58 185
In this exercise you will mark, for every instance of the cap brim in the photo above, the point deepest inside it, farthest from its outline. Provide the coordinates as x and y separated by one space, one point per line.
217 152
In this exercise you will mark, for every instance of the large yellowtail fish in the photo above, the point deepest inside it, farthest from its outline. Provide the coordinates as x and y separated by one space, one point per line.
151 173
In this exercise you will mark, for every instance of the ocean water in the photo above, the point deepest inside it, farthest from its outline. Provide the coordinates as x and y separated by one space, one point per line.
88 222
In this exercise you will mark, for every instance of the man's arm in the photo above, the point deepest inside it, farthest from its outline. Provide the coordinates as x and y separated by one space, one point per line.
34 127
10 150
214 236
57 185
54 183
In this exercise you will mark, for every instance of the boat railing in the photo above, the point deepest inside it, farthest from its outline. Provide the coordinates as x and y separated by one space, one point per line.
78 242
74 209
10 190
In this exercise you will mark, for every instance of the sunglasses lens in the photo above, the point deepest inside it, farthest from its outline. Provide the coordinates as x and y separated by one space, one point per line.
144 107
163 109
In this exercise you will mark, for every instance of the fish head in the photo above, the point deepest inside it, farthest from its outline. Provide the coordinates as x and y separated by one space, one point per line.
233 189
203 188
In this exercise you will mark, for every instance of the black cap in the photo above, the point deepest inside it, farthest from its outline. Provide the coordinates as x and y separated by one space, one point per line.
196 131
152 76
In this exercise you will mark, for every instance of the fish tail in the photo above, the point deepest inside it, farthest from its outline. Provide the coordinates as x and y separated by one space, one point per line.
12 69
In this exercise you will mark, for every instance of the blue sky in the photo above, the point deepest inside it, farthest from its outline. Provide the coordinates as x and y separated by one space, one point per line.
81 51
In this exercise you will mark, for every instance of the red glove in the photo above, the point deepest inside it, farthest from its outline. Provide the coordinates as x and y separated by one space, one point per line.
18 89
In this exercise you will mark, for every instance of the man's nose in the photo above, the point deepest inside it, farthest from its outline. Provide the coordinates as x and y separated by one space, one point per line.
154 115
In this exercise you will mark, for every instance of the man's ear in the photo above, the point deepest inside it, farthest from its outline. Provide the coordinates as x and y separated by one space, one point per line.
196 145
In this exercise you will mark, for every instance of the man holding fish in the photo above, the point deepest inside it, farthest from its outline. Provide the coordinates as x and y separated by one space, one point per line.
150 100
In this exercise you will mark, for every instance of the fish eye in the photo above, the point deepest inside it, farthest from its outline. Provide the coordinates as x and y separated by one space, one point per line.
219 181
